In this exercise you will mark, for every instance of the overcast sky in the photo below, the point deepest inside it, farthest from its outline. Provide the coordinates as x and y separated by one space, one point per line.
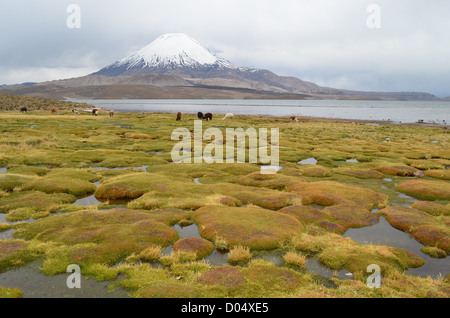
401 45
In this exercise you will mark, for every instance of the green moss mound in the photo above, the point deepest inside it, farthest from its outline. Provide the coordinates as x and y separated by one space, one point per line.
254 227
131 186
28 170
36 199
9 181
336 218
333 193
315 171
271 181
53 184
115 234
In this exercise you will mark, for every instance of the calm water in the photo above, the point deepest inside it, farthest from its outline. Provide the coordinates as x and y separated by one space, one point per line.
396 111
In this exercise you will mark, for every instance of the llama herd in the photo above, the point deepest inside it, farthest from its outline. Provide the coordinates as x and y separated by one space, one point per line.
207 116
95 112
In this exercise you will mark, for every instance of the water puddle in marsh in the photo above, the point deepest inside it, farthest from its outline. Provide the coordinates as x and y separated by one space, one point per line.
3 169
383 233
352 160
8 233
408 200
87 201
308 161
119 123
35 284
270 169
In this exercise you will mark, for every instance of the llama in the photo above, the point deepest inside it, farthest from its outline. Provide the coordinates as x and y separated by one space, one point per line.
229 115
207 116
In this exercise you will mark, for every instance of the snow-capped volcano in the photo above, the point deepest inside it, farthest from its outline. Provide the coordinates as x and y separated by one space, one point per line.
168 52
179 55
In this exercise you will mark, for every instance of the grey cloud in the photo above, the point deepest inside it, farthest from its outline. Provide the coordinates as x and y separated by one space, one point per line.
327 41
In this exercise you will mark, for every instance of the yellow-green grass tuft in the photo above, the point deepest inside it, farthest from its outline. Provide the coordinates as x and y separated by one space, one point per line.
6 292
434 251
295 259
239 254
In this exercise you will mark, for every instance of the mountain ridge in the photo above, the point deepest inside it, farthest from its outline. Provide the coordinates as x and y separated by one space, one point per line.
179 63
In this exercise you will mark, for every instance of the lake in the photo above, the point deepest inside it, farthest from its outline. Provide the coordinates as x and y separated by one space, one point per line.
396 111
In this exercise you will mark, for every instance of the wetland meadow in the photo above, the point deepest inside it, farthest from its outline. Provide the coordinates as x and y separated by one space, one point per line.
103 193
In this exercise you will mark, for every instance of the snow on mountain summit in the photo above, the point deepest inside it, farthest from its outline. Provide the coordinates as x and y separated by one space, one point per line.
173 50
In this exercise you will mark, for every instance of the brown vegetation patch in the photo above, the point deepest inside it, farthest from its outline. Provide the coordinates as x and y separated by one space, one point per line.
397 170
432 208
227 276
304 213
118 192
316 171
198 245
361 173
351 215
438 173
425 189
169 290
